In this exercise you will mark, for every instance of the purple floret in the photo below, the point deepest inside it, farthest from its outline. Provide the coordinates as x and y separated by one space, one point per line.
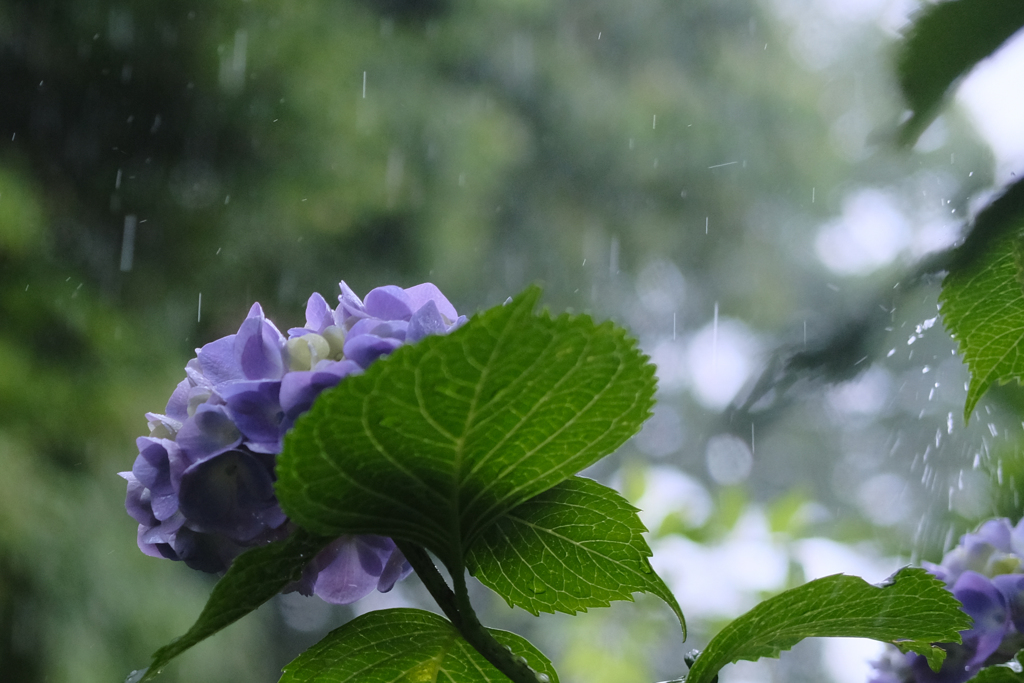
985 572
202 486
392 316
152 469
351 567
299 389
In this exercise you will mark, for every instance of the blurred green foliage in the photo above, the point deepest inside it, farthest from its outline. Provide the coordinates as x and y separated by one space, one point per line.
265 150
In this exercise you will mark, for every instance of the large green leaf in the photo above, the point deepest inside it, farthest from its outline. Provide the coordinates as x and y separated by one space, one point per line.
436 442
575 546
406 646
942 45
253 578
912 610
1004 673
998 674
982 305
1001 218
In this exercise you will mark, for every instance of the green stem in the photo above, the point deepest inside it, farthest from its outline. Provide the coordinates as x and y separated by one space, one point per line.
432 580
457 608
515 667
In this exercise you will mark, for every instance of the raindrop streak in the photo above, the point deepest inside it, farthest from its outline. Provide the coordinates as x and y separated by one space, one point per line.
926 325
654 122
949 423
613 256
812 194
706 225
128 242
752 449
728 163
199 315
364 85
714 339
674 335
948 543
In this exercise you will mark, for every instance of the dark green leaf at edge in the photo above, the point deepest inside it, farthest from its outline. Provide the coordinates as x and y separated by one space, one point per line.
438 440
982 299
408 645
943 44
912 610
575 546
1003 673
253 578
1002 217
998 674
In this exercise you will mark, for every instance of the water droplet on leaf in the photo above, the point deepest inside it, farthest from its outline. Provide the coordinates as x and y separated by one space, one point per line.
136 676
538 586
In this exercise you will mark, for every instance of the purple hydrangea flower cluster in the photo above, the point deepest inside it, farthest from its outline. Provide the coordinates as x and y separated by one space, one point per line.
986 574
202 486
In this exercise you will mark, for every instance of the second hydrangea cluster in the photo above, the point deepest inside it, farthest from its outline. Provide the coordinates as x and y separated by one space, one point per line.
986 574
202 486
